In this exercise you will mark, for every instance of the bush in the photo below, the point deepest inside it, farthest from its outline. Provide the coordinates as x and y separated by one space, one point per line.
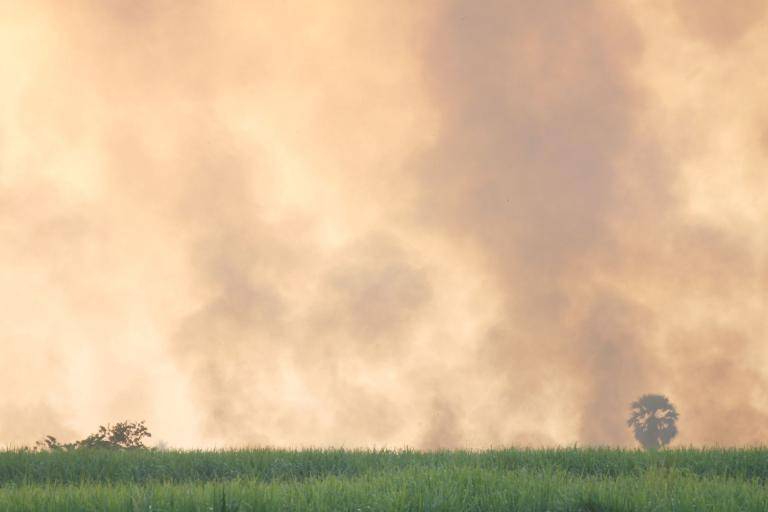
120 436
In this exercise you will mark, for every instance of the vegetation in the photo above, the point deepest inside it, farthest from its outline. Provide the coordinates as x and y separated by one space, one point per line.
121 436
565 479
653 419
112 470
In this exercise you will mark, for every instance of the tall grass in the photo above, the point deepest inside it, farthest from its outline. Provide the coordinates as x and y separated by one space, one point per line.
554 480
144 466
435 489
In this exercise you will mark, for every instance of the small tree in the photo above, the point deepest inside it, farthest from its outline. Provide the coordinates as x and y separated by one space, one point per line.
120 436
653 419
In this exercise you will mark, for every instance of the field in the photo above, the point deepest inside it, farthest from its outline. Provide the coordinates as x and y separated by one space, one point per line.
567 479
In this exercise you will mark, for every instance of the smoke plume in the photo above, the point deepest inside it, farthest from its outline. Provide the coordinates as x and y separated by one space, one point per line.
437 224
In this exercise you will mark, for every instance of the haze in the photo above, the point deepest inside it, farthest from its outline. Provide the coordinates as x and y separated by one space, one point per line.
429 224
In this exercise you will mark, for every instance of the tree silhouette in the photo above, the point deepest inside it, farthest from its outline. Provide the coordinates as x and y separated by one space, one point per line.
120 436
653 418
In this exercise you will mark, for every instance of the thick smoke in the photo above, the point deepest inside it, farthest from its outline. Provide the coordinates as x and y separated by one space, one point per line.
432 224
536 109
719 22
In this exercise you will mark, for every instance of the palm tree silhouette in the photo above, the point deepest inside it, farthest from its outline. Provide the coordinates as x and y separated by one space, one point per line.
653 418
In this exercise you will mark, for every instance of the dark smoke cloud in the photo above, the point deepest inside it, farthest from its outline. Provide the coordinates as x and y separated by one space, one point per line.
719 22
443 430
716 364
373 295
542 161
228 343
617 363
537 106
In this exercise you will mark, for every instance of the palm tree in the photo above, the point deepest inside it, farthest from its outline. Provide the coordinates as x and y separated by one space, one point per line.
653 419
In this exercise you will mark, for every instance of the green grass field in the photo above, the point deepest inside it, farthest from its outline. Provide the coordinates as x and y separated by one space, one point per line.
571 479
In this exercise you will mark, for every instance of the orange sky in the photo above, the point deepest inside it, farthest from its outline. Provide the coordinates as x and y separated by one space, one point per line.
432 224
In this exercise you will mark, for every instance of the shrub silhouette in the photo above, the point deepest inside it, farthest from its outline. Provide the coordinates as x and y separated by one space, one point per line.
120 436
653 419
